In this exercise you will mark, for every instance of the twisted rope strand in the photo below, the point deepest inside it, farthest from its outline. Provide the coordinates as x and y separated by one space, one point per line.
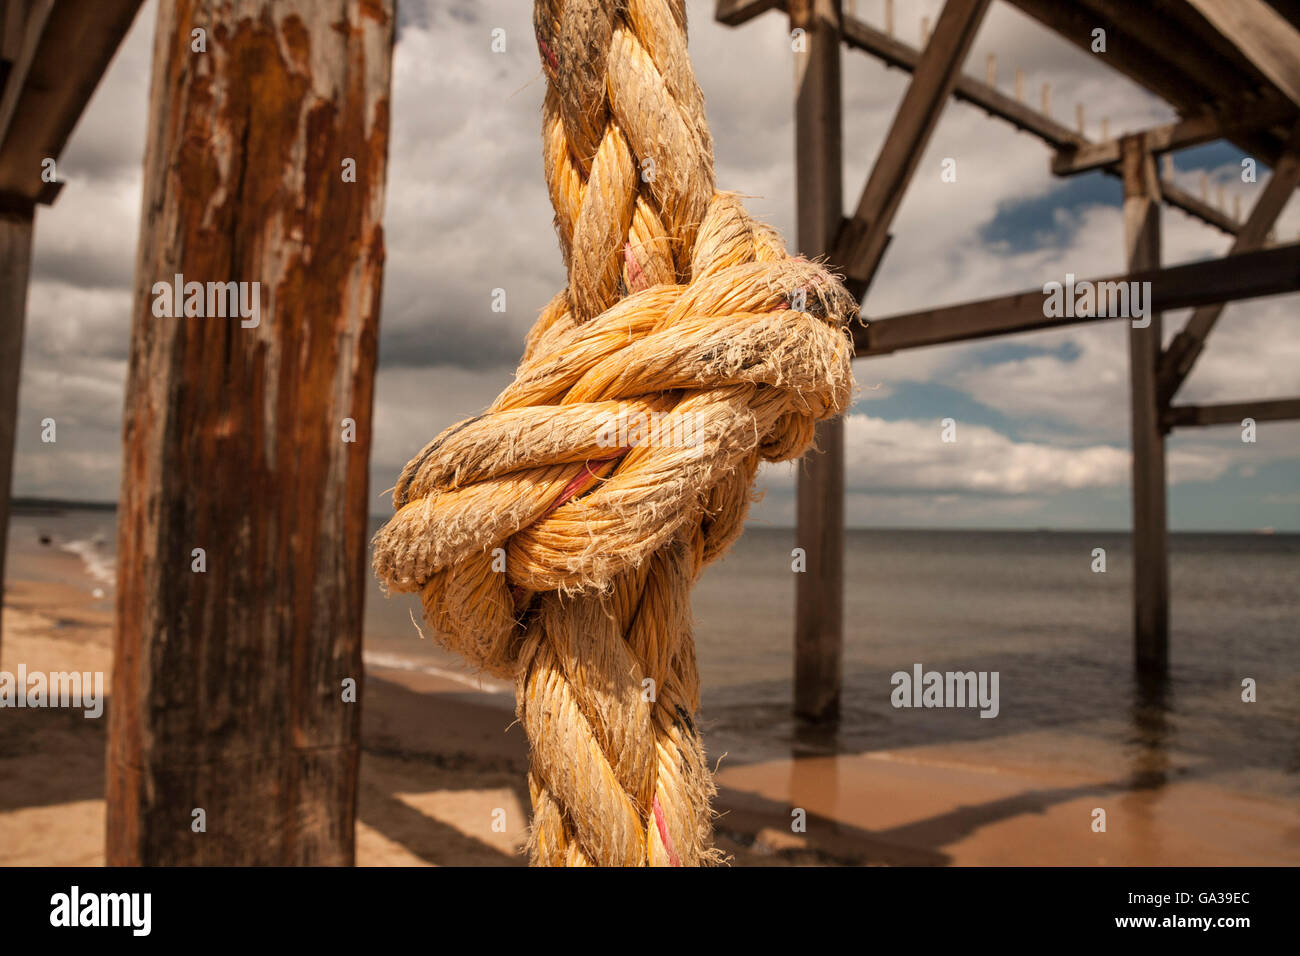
679 305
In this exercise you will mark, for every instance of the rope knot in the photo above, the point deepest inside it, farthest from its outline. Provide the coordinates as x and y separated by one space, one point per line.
554 538
619 433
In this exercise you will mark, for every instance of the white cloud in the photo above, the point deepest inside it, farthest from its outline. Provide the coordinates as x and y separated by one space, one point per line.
468 212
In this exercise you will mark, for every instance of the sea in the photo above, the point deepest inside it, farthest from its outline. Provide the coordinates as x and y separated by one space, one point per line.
1031 606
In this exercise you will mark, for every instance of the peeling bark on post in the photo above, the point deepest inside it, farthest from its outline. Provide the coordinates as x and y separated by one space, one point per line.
227 686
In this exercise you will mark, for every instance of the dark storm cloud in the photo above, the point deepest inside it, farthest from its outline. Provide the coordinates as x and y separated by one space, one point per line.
103 268
470 345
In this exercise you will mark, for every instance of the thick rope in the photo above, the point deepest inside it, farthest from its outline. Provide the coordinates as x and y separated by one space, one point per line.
680 309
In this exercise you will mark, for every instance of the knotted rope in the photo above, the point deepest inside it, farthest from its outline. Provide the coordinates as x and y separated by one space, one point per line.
679 309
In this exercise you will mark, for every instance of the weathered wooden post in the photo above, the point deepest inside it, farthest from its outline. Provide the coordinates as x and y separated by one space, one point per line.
15 264
1150 533
242 531
819 591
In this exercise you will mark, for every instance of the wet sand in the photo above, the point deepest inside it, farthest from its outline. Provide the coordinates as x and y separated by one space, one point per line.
442 762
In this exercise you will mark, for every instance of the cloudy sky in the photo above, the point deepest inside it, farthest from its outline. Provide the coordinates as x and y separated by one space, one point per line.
1042 419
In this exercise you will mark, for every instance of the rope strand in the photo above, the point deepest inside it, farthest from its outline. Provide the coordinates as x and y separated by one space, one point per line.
679 307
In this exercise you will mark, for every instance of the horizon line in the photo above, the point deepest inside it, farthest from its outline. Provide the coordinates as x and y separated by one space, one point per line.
18 503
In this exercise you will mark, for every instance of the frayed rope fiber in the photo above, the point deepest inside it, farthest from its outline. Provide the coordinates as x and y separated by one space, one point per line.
678 303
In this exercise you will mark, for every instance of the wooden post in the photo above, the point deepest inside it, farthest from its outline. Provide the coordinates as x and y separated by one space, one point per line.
1078 117
889 17
1150 533
1020 86
231 662
991 73
1047 99
15 264
819 591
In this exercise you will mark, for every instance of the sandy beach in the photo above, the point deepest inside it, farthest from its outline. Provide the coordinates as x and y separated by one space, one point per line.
442 764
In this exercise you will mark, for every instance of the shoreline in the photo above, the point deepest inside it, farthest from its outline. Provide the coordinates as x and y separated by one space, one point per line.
440 756
54 506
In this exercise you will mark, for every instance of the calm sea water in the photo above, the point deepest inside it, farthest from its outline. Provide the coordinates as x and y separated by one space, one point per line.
1024 604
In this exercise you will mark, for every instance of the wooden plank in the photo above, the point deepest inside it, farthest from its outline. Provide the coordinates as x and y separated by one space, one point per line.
863 238
895 53
15 267
735 12
819 590
1262 35
1205 128
228 685
48 91
1201 57
1177 361
1246 275
1075 22
1150 532
1144 56
1272 410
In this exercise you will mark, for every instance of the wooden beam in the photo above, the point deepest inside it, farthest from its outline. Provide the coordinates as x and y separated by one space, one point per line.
1178 197
13 17
735 12
1140 47
24 29
1262 35
862 36
1274 410
1289 9
1205 128
819 590
1075 22
1176 362
1150 531
862 240
895 53
229 678
71 45
1161 34
1246 275
15 267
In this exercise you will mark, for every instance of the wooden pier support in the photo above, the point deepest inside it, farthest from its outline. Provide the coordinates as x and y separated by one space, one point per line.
234 730
819 591
15 264
1247 64
1150 532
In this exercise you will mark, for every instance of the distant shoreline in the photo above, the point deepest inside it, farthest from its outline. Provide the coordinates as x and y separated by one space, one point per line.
39 506
27 506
